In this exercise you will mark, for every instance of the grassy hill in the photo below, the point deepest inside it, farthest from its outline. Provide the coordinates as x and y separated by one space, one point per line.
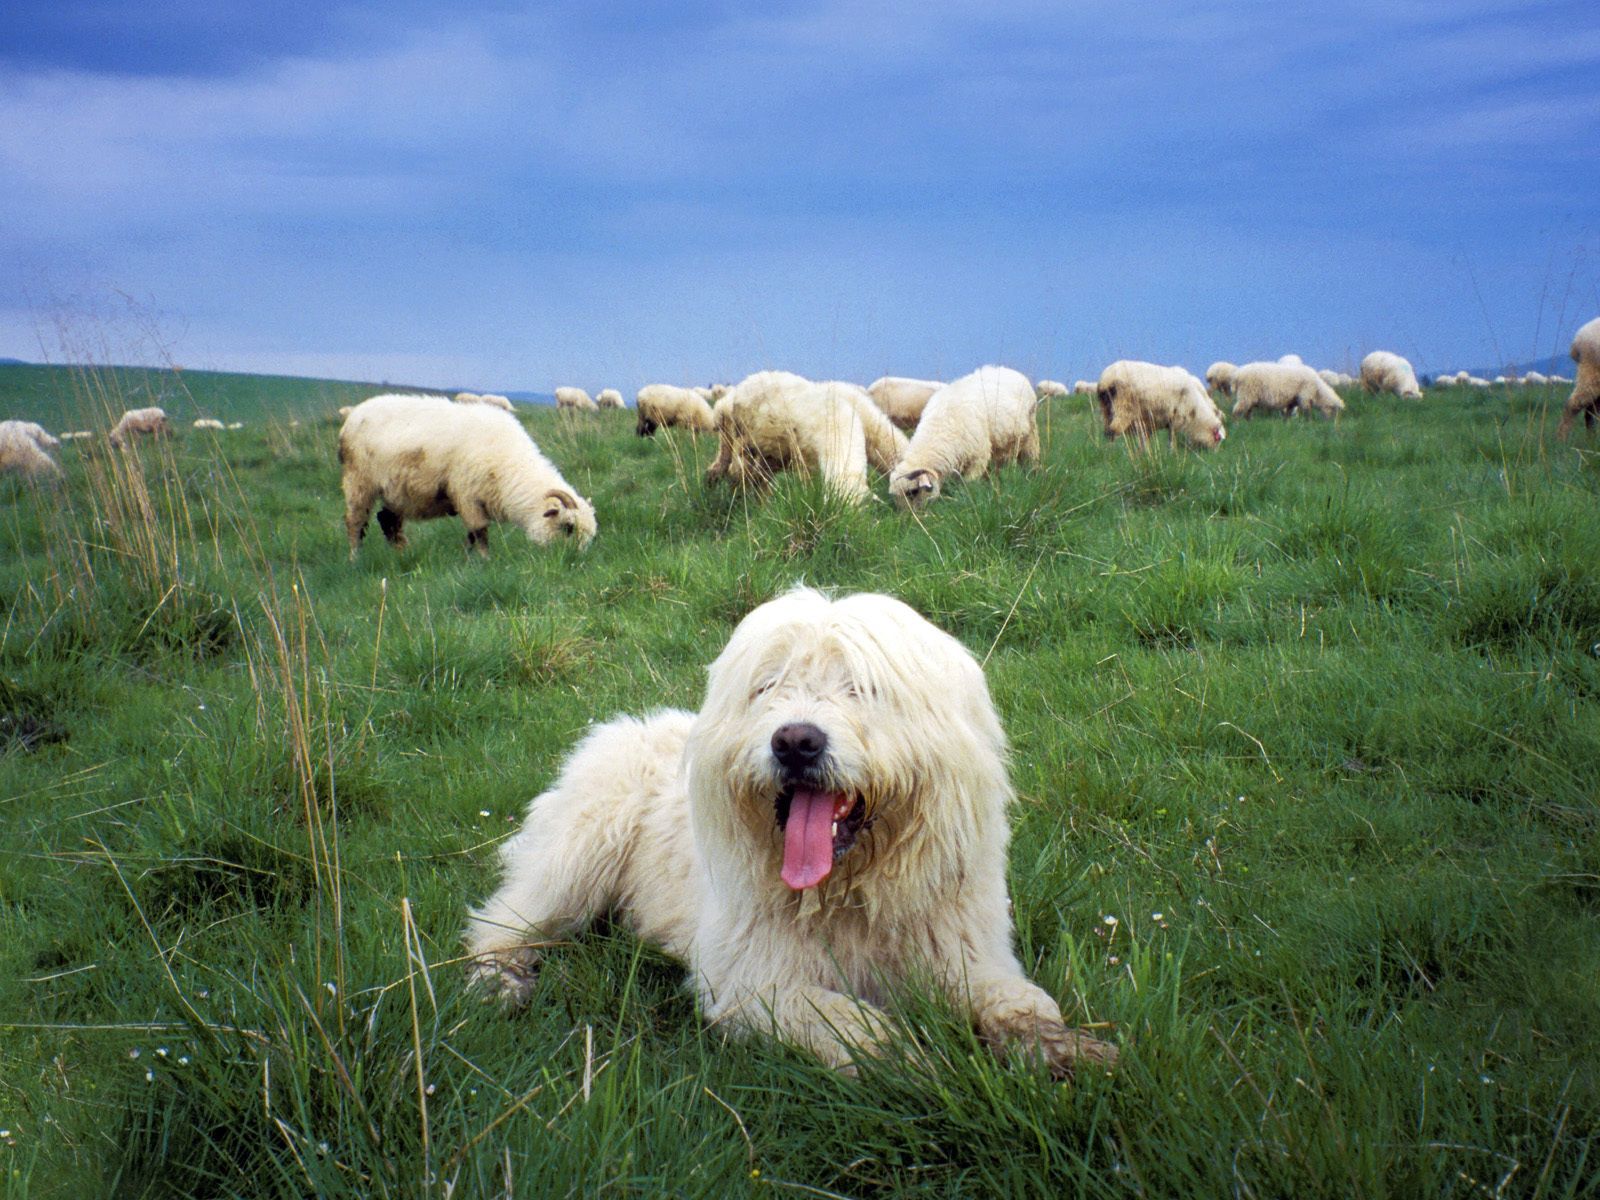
1306 734
75 397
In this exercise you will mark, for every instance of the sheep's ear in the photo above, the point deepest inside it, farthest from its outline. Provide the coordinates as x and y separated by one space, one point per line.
562 497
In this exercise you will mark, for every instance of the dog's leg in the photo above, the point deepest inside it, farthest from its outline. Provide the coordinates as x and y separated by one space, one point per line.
548 893
1016 1015
818 1020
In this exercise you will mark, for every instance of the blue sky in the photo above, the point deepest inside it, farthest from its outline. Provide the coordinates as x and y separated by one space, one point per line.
517 196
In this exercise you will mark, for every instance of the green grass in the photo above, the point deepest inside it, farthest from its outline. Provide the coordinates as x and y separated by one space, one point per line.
1328 701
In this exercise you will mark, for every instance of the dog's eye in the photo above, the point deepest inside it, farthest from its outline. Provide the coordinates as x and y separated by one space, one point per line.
762 688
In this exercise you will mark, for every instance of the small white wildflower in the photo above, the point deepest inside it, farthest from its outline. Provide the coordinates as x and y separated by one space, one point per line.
134 1053
204 994
149 1076
1109 919
322 1148
1484 1079
332 991
429 1090
1114 960
1155 916
202 708
483 812
183 1060
162 1051
5 1133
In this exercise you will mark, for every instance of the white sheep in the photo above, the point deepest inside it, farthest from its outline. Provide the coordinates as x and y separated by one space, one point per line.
901 399
235 424
1535 379
24 449
1382 371
1331 378
1585 396
424 457
1280 387
1141 397
208 423
1291 360
664 405
1219 377
574 399
467 397
987 417
1046 389
1476 381
776 421
77 435
1084 387
146 422
609 398
495 400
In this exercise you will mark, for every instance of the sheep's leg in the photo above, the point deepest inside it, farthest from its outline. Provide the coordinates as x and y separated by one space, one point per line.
357 511
1028 454
393 526
476 519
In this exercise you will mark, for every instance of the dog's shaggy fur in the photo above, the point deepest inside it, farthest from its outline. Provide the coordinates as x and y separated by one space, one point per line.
831 825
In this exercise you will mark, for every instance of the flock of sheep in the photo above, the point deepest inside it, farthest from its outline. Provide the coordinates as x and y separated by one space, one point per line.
416 457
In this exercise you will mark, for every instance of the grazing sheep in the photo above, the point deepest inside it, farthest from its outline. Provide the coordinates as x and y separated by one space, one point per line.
209 423
467 397
575 399
1140 397
37 433
1535 379
664 405
1084 387
148 422
775 421
24 450
1291 360
902 400
1501 381
1560 379
1331 378
495 400
1280 387
989 416
609 398
1585 396
1219 377
235 424
1048 388
1476 381
77 435
1382 371
424 457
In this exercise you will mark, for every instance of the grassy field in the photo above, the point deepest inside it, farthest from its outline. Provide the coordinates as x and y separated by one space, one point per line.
1306 733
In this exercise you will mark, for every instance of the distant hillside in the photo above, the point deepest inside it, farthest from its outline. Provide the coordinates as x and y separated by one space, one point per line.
89 397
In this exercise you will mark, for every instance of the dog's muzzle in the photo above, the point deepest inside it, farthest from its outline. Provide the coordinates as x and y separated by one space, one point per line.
819 824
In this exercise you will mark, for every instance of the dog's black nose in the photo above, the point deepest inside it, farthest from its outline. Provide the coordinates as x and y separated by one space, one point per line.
798 745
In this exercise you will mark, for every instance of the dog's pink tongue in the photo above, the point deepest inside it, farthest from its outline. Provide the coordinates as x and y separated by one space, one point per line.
808 839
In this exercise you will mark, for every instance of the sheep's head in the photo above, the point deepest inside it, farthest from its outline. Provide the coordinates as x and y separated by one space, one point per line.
561 515
915 488
1201 419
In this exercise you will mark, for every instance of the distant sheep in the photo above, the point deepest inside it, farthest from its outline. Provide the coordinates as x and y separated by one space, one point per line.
209 423
235 424
1046 389
77 435
776 421
144 422
24 450
1585 396
1475 381
1283 388
1141 397
1382 371
987 417
902 400
1291 360
495 400
574 399
609 398
1084 387
424 457
1535 379
661 405
467 397
1219 377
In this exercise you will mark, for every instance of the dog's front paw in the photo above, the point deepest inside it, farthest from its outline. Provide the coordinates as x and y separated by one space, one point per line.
506 978
1063 1049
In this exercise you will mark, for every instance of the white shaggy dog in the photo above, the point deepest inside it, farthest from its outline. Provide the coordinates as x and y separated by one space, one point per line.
831 824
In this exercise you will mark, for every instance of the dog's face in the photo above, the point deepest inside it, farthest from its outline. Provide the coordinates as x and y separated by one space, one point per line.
832 731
